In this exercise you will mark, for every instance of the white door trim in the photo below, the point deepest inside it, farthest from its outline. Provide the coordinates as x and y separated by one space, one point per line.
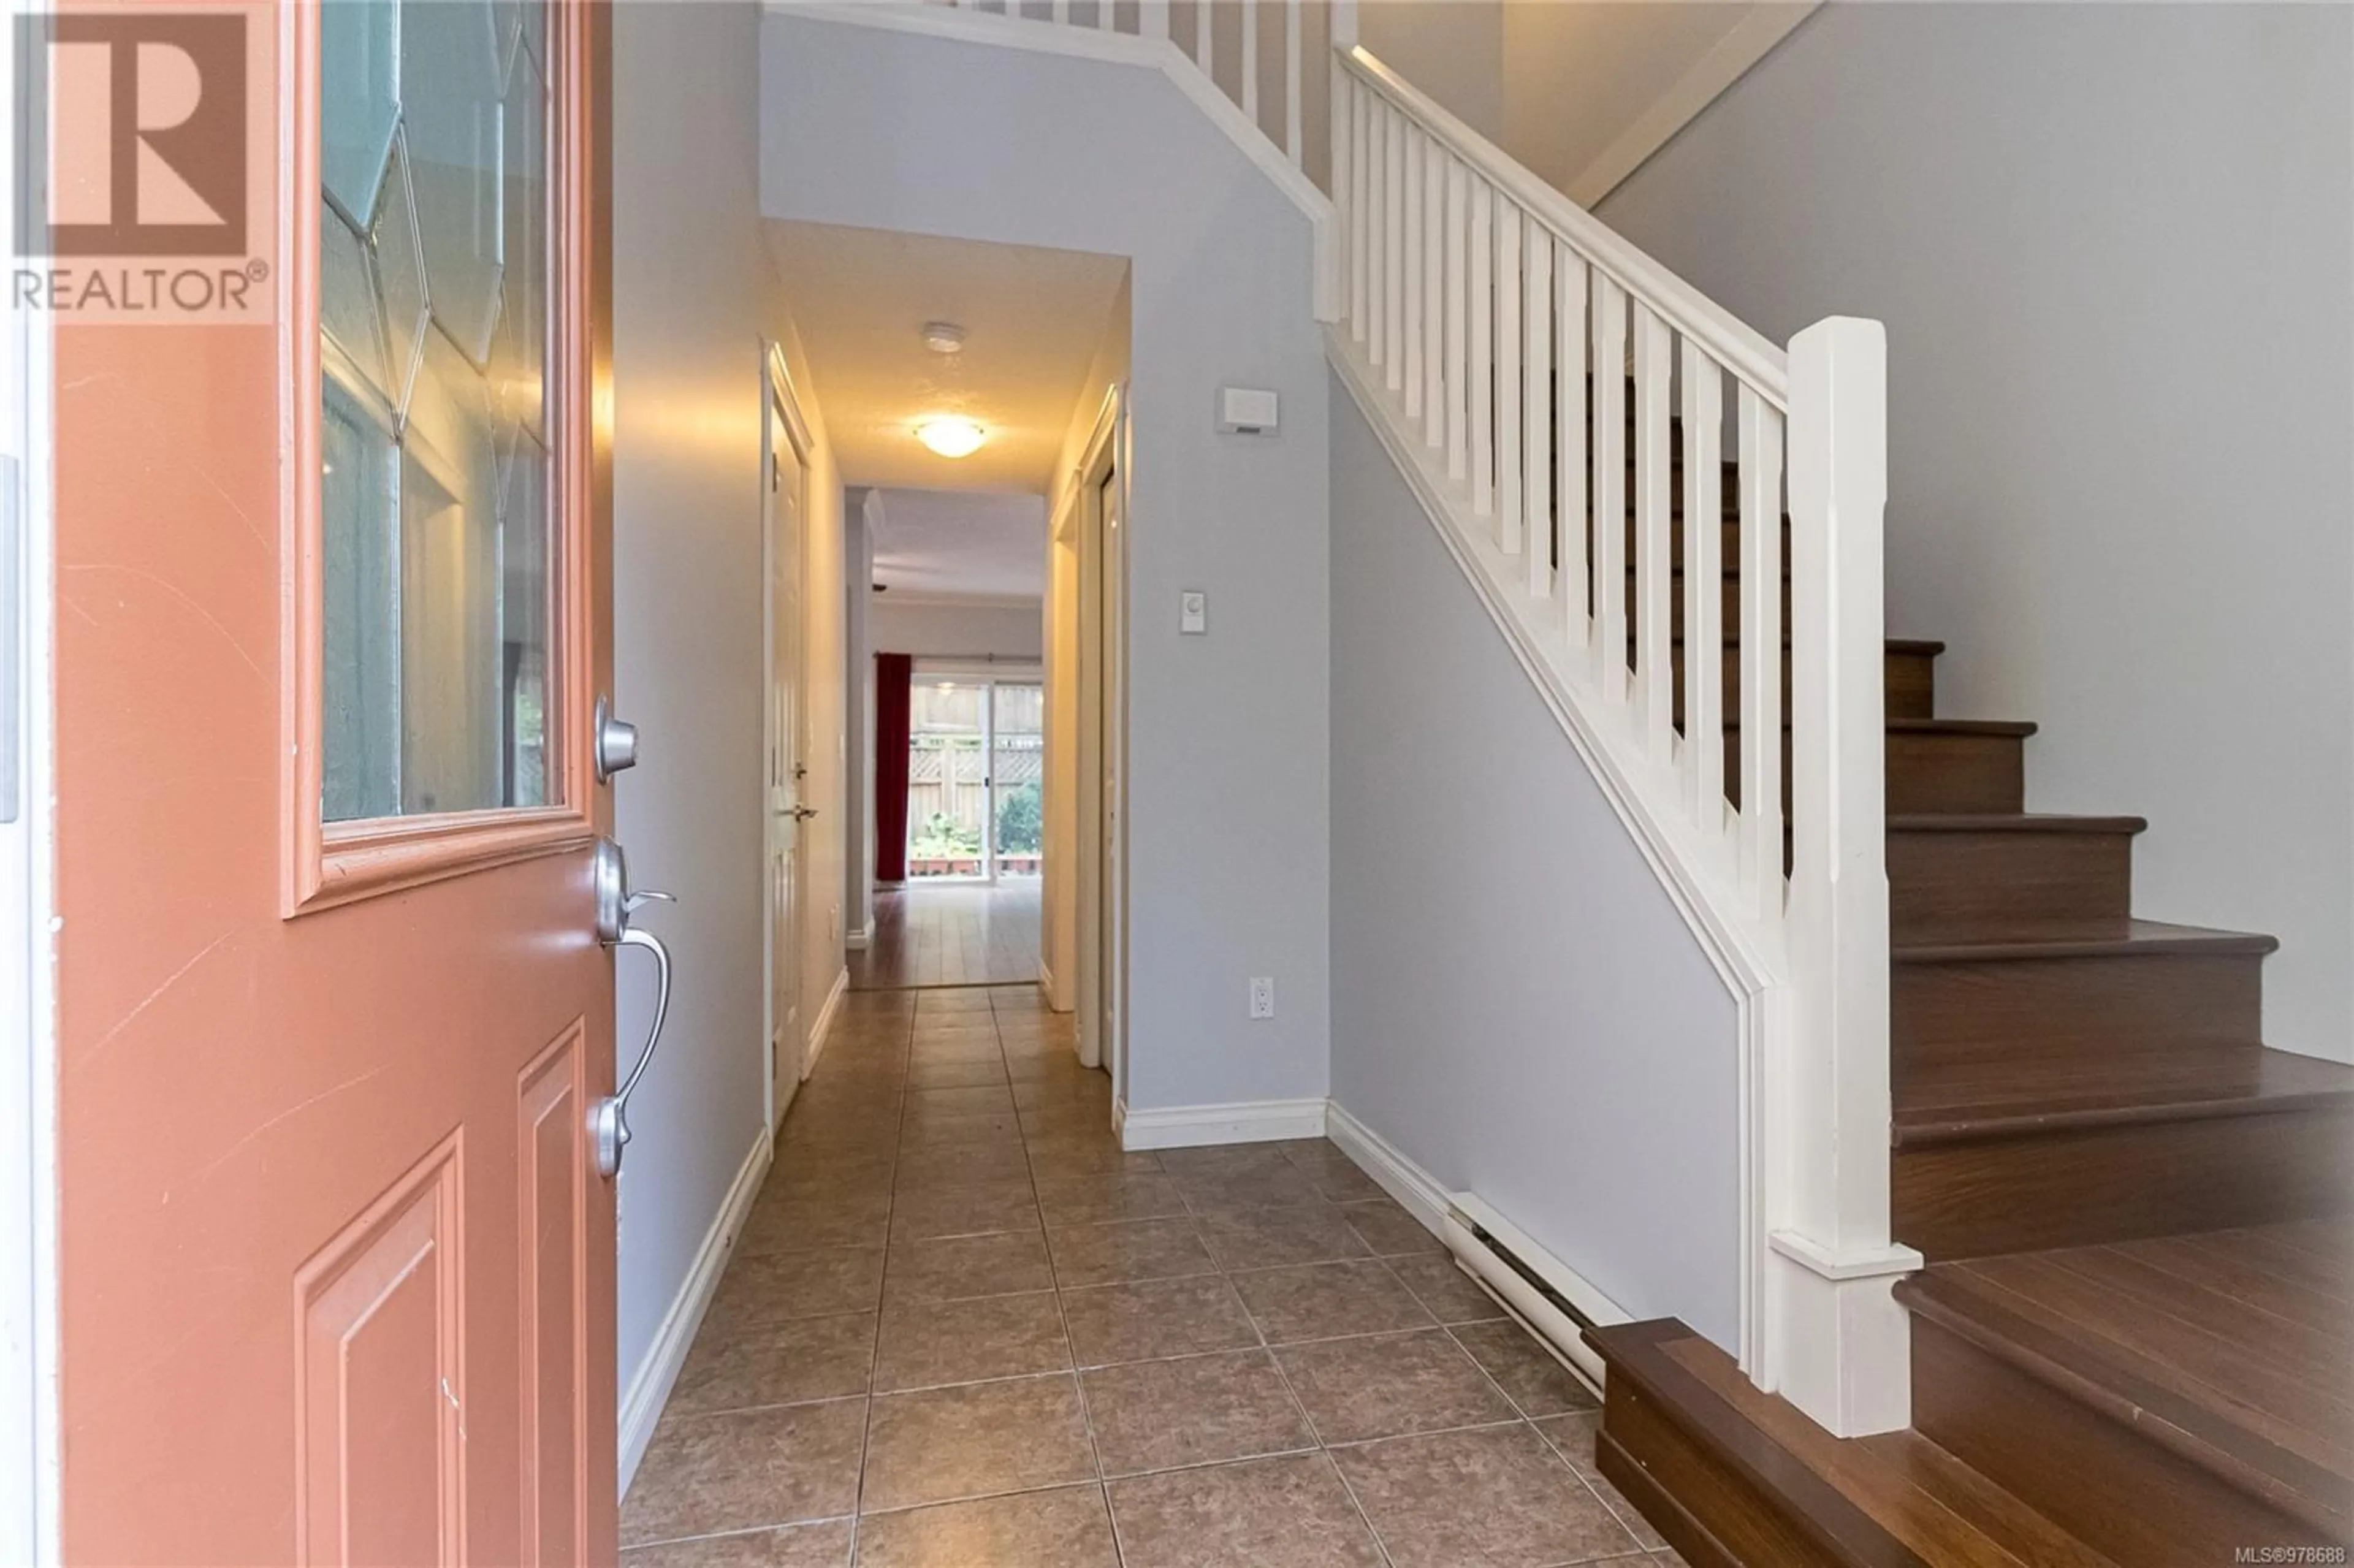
1103 904
28 1193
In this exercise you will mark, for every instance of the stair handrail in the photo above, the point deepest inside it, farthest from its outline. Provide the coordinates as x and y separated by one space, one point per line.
1492 330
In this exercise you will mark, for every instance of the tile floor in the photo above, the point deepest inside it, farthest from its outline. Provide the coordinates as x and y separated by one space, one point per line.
962 1329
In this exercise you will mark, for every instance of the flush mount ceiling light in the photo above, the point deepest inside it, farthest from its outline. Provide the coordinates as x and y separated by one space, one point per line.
950 435
943 337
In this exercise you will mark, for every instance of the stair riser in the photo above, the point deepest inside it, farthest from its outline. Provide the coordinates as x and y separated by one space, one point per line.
1928 772
1728 605
2100 1009
2097 1478
1933 772
1909 680
1962 887
2078 1187
1711 1514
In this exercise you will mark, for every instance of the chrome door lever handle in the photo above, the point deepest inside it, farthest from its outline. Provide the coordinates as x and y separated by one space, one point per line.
609 1119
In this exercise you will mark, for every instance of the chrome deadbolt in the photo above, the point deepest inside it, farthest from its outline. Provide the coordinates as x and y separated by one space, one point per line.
614 741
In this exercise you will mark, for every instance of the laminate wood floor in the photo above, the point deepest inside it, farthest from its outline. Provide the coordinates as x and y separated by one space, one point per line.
951 934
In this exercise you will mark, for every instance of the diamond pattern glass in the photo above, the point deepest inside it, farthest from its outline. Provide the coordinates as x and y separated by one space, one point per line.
437 533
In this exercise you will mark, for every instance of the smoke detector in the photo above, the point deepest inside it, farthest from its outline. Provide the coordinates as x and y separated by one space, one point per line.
943 337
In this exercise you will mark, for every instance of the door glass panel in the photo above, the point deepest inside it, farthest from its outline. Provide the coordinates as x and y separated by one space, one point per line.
947 798
438 530
1016 771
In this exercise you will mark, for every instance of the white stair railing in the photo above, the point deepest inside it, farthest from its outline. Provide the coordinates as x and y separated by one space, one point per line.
1239 45
1511 348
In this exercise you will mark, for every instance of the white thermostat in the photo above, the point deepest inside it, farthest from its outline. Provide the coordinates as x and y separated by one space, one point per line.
1246 411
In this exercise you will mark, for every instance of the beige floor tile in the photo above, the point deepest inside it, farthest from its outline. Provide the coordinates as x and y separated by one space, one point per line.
1224 1160
1528 1374
1064 1117
781 1286
1571 1437
964 1341
955 1074
942 1131
1388 1386
786 1221
1129 1250
1077 1153
961 1165
953 999
747 1470
1286 1512
1325 1301
736 1365
1148 1319
1066 1528
925 1214
1342 1182
1211 1193
1156 1415
975 1440
1271 1238
1439 1284
1497 1497
967 1101
1389 1230
1103 1196
822 1546
954 1269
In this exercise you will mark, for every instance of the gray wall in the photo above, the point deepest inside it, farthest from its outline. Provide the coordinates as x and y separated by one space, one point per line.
895 625
1516 1005
2113 245
1227 743
694 297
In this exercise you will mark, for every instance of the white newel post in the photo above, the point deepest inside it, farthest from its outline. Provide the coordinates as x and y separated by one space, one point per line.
1837 1344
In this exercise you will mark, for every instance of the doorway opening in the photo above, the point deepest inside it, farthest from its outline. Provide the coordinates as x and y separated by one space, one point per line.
976 777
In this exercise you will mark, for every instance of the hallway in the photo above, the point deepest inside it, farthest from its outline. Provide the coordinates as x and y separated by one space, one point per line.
963 1329
946 934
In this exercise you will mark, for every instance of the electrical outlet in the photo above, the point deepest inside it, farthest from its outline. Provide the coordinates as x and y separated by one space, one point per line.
1262 996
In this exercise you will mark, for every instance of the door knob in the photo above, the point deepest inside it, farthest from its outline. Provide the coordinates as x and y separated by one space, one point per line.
803 813
613 741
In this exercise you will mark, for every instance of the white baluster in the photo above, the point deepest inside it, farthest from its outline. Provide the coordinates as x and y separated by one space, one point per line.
1760 662
1703 752
1417 152
1536 403
1654 599
1295 142
1394 250
1105 15
1570 427
1509 343
1458 332
1154 18
1361 187
1481 280
1250 61
1061 10
1609 383
1434 313
1205 26
1377 232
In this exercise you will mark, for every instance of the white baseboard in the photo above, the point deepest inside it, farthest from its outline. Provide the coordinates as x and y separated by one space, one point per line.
822 1029
1400 1177
649 1387
859 939
1247 1121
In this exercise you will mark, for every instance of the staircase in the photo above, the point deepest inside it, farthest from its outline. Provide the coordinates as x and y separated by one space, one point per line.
2047 1258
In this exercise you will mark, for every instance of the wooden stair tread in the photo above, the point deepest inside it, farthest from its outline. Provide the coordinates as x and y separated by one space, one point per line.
2010 1097
2140 938
1857 1503
2012 822
2019 728
2259 1395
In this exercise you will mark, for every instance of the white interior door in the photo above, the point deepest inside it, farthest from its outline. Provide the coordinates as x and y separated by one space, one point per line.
786 767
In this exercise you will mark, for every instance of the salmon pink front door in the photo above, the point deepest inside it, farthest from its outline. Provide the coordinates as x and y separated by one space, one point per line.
335 1256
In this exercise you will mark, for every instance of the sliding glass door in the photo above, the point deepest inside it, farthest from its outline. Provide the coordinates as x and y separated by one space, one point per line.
975 761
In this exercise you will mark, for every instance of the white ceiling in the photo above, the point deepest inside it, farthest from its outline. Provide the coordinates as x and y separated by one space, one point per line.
962 545
1033 320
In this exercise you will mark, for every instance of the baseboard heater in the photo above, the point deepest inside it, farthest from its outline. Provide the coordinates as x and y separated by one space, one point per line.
1546 1294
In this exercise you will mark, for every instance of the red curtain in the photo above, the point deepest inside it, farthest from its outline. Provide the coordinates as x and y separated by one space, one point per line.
894 675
